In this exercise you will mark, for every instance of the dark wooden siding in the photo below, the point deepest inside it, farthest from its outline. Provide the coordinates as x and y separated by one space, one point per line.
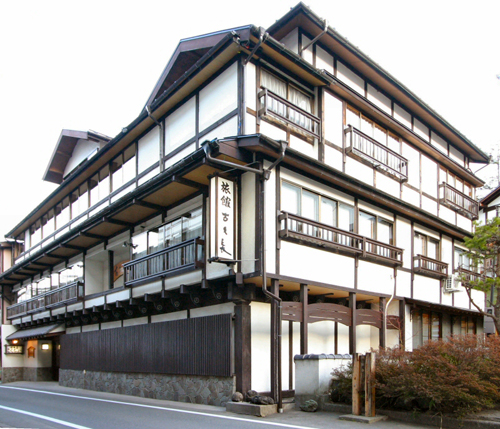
199 346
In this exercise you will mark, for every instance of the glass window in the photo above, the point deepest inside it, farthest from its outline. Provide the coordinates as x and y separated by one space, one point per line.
94 190
290 198
367 225
83 200
346 217
117 173
425 246
140 245
328 212
352 117
385 232
71 274
310 205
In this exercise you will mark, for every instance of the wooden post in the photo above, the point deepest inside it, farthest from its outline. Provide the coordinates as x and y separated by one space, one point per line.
356 382
370 385
303 323
242 346
383 329
352 328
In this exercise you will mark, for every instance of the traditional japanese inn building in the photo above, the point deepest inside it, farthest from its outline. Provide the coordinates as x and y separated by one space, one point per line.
279 194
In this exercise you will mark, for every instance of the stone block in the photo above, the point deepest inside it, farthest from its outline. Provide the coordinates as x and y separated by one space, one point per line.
251 409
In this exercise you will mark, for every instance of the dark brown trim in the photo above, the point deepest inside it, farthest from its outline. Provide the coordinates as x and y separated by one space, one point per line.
304 337
352 328
242 346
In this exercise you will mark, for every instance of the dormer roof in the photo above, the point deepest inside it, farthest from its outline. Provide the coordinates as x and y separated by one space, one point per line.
63 152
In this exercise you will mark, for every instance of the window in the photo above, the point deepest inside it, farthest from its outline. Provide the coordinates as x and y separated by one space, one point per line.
281 91
425 246
463 260
375 227
71 274
186 227
427 325
302 202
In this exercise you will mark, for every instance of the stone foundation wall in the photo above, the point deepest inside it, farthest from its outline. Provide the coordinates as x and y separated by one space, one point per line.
183 388
9 375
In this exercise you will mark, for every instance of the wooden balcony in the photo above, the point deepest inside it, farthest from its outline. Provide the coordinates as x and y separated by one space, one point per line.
430 267
312 233
62 295
469 275
167 262
272 105
458 201
371 152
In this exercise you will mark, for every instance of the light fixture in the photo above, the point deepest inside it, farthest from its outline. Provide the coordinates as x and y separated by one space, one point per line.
45 346
15 341
129 244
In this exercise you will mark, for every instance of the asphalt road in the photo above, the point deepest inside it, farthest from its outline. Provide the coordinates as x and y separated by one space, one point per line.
47 405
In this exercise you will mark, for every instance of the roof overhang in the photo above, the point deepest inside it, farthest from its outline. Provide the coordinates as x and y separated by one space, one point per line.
442 308
38 332
64 150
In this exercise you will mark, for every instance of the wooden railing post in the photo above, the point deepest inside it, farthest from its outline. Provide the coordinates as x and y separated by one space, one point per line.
356 383
370 385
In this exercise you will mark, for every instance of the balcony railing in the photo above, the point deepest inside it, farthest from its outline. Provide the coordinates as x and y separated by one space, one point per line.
62 295
311 232
273 105
430 267
368 150
456 200
166 262
469 275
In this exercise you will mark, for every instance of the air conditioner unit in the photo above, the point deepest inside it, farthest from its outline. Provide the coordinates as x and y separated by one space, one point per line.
451 284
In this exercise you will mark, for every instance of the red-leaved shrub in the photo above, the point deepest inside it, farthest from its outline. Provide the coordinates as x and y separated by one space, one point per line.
460 376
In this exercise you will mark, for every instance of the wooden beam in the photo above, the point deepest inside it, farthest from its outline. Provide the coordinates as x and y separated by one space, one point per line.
187 182
152 206
382 331
352 328
95 236
117 222
242 346
73 247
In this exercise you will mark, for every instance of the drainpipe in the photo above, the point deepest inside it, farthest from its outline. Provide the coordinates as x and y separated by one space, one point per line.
148 111
264 174
312 42
262 37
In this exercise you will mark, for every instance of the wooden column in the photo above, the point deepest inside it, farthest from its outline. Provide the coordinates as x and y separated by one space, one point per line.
275 343
352 328
383 329
356 385
303 323
242 346
370 385
402 328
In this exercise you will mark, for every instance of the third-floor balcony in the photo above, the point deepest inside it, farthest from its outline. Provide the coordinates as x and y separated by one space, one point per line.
368 150
430 267
272 105
458 201
310 232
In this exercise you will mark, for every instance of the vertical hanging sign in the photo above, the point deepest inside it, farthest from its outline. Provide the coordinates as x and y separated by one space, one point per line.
222 219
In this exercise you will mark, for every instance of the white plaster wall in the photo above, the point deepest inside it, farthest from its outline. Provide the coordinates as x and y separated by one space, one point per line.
111 325
10 361
392 335
403 239
375 210
271 214
291 40
387 184
316 265
464 223
379 99
324 61
429 205
411 196
456 155
375 278
180 126
149 176
180 155
74 330
403 284
90 328
136 321
149 149
248 216
447 252
426 289
261 345
364 338
251 87
308 53
304 147
420 129
272 131
82 150
250 124
227 129
321 338
333 158
439 143
42 359
446 214
408 329
343 339
178 315
212 310
350 78
285 362
359 171
219 97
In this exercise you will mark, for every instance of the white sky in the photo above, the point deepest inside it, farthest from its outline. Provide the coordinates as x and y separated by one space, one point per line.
92 64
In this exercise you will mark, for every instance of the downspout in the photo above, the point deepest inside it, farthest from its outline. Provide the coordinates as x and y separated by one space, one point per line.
148 111
262 37
264 174
313 41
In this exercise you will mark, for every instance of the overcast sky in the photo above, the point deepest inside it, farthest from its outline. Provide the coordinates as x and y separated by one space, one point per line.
92 65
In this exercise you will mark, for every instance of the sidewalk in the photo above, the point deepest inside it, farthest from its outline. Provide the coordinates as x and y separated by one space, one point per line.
291 418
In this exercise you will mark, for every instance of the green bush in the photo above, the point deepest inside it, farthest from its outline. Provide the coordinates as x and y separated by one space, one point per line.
460 376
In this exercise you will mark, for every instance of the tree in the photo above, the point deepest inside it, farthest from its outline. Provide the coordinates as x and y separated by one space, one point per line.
484 252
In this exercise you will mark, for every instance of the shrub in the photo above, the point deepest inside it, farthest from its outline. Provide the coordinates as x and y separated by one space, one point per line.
459 376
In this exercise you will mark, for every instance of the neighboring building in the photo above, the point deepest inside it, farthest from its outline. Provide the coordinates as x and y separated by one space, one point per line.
285 158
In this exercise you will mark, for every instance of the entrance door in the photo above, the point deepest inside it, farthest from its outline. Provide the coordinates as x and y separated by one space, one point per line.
56 354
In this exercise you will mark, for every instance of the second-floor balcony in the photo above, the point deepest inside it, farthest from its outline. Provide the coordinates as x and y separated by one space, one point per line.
469 275
170 261
370 151
430 267
272 105
458 201
310 232
62 295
